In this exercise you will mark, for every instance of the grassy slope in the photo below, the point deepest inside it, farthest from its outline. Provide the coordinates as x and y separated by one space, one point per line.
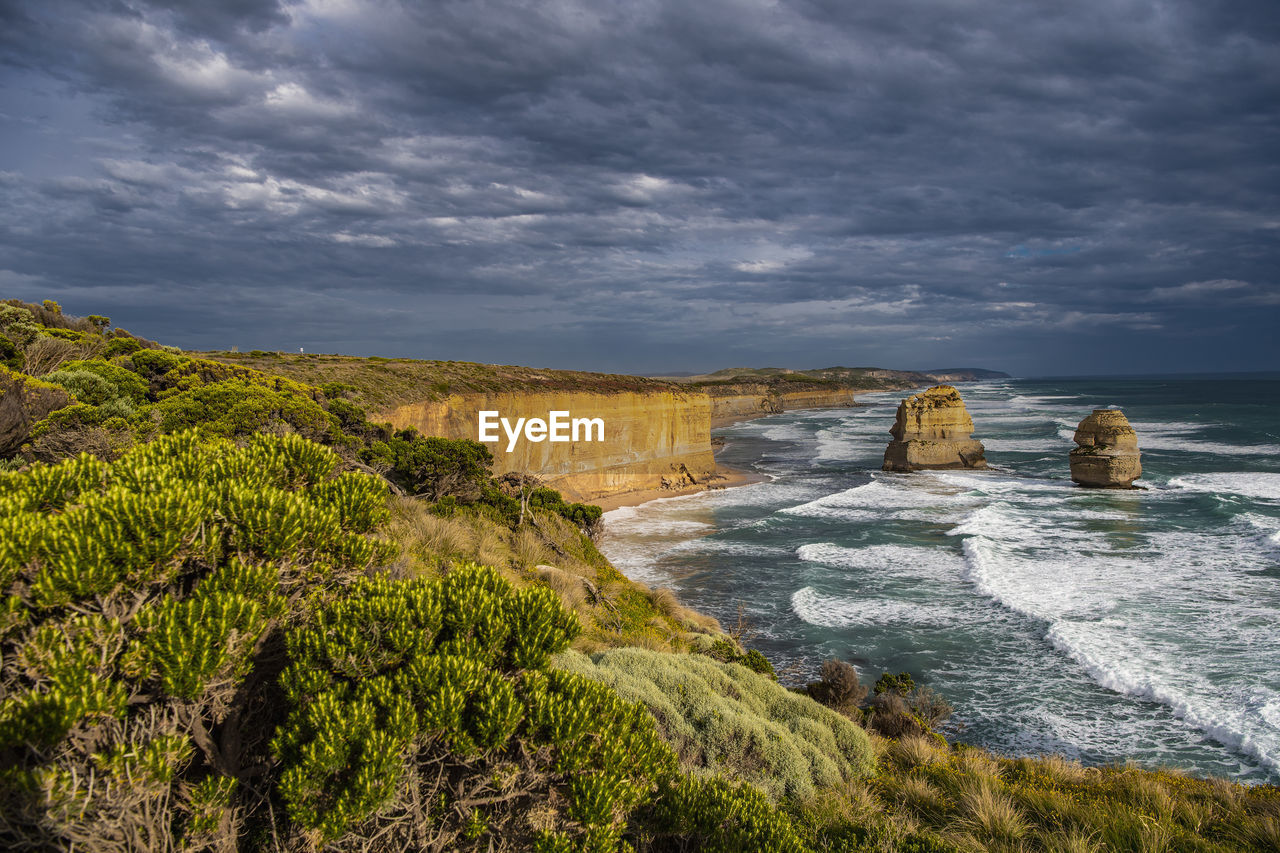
381 384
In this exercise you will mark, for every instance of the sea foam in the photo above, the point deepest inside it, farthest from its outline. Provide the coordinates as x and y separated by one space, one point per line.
1250 484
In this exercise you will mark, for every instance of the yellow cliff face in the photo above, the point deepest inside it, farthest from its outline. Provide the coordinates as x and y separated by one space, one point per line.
652 439
727 408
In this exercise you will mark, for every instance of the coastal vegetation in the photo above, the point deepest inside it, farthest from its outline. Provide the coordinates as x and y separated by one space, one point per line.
236 613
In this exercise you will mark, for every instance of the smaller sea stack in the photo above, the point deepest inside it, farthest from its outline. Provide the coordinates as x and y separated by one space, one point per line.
933 431
1108 456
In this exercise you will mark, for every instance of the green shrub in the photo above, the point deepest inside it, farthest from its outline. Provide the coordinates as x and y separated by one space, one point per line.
433 467
901 684
398 673
135 599
716 815
10 355
727 650
238 407
152 363
120 383
730 720
586 517
121 346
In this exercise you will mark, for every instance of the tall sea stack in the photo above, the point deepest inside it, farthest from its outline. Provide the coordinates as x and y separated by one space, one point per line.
933 430
1108 456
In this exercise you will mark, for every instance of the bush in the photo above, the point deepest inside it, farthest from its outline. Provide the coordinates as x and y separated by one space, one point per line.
727 650
10 355
727 719
121 383
838 688
136 602
23 402
586 517
717 815
398 676
238 408
432 467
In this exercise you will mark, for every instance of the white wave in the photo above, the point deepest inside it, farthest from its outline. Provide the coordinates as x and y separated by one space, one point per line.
1147 670
826 611
731 547
976 484
887 496
1267 527
841 443
1249 484
1173 443
886 560
1179 427
785 432
1039 564
1036 401
1023 445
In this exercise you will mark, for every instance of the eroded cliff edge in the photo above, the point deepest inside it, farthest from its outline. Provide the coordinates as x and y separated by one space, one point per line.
657 435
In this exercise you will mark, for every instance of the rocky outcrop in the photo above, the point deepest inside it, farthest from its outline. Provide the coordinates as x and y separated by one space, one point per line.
933 430
1108 456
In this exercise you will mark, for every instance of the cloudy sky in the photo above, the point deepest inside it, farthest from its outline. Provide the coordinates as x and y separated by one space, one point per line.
655 185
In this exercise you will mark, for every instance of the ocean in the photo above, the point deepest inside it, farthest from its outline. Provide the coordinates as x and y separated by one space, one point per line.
1101 625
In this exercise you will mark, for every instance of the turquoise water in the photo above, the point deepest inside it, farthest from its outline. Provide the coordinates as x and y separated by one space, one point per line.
1102 625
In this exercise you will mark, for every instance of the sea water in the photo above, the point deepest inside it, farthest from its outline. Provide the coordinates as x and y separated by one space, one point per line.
1102 625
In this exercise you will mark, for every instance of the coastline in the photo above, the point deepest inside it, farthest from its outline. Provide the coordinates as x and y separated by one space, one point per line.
725 478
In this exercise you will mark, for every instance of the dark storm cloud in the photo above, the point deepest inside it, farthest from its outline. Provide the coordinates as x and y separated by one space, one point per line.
655 185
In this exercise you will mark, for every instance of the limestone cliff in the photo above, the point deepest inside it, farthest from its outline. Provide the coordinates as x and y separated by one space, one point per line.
652 439
750 401
657 431
1108 456
932 430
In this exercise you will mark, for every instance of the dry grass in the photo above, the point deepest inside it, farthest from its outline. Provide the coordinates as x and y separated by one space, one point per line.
429 540
665 602
568 586
1146 791
1071 841
912 752
383 384
528 548
614 611
918 795
991 814
1062 771
978 764
490 547
1261 832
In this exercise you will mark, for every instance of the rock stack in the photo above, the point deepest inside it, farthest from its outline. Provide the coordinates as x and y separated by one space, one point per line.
1108 456
933 430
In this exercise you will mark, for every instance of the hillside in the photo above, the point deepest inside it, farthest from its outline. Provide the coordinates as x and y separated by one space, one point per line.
384 384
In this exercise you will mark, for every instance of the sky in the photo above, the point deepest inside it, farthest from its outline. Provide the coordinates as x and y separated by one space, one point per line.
655 186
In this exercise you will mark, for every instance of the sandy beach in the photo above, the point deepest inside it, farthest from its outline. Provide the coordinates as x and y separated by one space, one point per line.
726 478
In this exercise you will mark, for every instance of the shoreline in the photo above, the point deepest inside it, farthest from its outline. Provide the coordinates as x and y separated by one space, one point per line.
724 478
